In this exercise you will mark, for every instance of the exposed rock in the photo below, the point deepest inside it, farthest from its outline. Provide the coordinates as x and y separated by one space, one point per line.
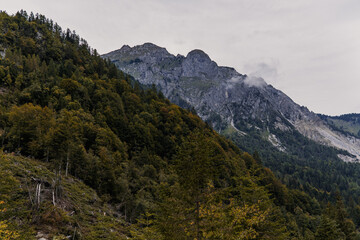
347 158
276 142
2 90
2 53
41 236
224 97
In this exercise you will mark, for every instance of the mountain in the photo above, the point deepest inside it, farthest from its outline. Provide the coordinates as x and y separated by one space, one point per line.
347 123
87 153
306 151
226 98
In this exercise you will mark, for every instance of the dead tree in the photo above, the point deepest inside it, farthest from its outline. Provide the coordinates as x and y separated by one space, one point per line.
56 187
37 199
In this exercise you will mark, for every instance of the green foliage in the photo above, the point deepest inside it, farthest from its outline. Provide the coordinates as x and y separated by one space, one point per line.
312 168
328 229
348 124
73 111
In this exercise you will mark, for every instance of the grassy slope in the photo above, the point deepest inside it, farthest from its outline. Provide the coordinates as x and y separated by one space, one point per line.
79 211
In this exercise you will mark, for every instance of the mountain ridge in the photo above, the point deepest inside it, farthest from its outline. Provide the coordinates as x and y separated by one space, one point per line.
151 167
197 81
156 165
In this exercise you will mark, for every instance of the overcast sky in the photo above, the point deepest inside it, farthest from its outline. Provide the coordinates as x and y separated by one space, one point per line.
308 49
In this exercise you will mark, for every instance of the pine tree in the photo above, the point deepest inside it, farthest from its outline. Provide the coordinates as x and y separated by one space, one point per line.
329 230
345 224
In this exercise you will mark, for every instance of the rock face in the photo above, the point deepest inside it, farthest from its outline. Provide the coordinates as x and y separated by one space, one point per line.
225 98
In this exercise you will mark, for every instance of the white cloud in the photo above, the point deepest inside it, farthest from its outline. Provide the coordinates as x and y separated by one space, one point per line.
253 81
266 70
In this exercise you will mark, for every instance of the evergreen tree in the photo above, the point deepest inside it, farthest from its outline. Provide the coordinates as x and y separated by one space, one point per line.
329 230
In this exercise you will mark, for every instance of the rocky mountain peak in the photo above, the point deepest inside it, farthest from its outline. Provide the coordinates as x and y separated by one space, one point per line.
125 48
149 47
224 97
197 63
199 55
147 52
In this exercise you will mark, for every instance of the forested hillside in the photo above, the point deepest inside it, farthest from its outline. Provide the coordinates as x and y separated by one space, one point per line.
346 123
159 171
315 154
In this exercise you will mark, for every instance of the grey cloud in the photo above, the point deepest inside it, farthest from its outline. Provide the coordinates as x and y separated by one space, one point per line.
314 43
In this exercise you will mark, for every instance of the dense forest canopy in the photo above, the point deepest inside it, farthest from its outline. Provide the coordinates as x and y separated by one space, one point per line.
165 172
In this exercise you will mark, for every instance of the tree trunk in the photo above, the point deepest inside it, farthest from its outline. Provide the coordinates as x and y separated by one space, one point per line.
74 234
67 162
53 197
47 154
38 194
3 138
198 220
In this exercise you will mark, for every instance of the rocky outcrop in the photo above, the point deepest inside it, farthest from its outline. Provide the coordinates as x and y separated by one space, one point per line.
224 97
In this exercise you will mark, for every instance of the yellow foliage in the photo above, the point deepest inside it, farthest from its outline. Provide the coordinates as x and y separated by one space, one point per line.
6 234
231 221
144 229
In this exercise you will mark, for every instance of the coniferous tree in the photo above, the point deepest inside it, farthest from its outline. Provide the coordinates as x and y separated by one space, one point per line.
329 230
